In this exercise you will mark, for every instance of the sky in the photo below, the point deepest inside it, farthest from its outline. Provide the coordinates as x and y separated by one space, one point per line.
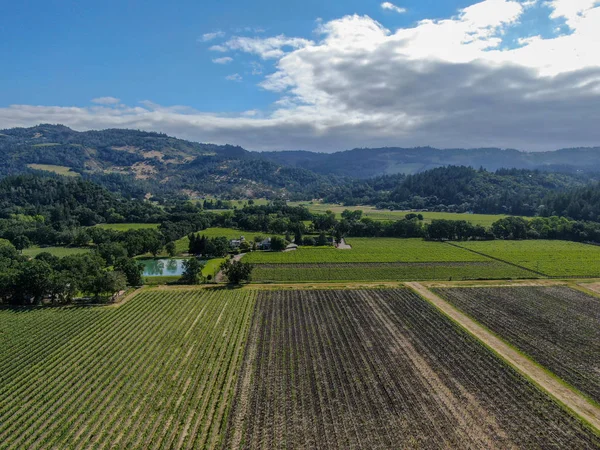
309 75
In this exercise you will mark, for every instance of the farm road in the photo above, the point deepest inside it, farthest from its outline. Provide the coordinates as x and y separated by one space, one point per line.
574 401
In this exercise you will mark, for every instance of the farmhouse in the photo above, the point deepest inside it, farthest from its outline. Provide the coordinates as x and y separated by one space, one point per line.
235 243
264 245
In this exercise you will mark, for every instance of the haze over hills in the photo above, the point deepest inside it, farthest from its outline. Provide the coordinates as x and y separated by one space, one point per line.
143 154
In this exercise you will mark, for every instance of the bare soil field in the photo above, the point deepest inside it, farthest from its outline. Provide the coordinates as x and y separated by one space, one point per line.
382 369
556 326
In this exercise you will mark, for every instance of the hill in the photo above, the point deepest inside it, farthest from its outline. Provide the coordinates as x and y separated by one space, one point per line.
139 162
370 162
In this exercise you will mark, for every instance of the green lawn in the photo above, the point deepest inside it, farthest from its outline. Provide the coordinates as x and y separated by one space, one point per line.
56 251
367 250
552 258
60 170
127 226
378 214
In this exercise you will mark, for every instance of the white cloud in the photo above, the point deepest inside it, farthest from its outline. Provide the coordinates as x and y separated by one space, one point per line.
207 37
267 48
391 7
223 60
106 101
234 77
218 48
446 83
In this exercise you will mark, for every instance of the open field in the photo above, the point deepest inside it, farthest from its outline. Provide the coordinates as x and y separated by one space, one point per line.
60 170
32 252
474 270
382 214
552 258
157 371
128 226
382 369
556 326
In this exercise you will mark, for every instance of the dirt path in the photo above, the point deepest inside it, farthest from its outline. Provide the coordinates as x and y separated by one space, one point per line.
219 278
574 401
343 246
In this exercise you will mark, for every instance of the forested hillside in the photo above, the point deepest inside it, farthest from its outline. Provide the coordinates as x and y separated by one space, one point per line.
137 164
371 162
463 189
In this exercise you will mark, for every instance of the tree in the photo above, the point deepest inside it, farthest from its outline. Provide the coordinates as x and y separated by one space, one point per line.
34 280
108 282
21 242
237 272
131 269
277 244
192 271
171 248
111 252
322 239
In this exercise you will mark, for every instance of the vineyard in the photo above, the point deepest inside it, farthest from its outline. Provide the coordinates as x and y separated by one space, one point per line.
552 258
367 250
156 372
381 259
387 271
382 369
556 326
382 214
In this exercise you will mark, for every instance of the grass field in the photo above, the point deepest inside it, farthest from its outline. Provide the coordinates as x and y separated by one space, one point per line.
156 372
552 258
128 226
556 326
60 170
32 252
382 369
474 270
379 214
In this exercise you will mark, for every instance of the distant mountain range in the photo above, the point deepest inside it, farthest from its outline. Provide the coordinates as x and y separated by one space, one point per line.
370 162
155 162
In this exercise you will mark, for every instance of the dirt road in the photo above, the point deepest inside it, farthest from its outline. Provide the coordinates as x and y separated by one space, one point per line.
574 401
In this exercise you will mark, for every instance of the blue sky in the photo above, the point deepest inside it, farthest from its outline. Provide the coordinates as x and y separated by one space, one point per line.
155 59
68 52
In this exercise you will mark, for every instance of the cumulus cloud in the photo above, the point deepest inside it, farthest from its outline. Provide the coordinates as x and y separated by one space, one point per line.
207 37
450 82
391 7
106 100
223 60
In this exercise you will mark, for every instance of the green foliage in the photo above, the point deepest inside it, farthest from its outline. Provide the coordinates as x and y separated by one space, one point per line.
237 272
132 270
278 244
192 271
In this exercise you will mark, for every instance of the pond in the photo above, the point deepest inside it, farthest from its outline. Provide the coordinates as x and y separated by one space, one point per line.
162 267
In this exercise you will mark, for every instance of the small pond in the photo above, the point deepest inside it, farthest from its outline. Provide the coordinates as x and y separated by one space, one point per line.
162 267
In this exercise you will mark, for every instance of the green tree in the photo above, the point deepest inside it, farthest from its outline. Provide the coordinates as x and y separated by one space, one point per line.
192 271
132 270
277 244
170 248
21 242
237 272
